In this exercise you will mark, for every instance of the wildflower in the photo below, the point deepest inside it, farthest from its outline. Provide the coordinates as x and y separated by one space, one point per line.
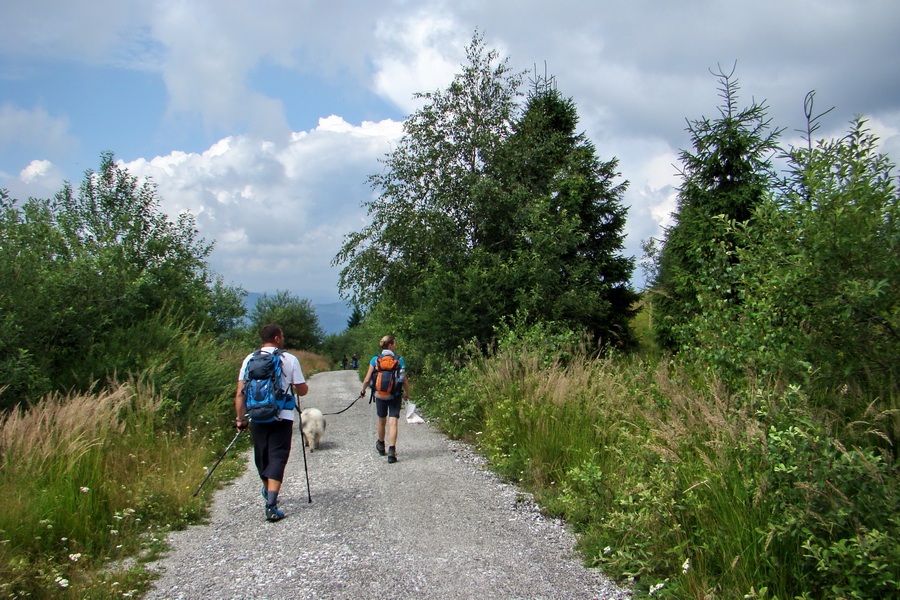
85 490
64 539
656 588
607 550
75 557
113 532
686 566
62 582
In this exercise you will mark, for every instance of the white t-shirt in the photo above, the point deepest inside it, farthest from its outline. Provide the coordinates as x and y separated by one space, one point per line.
291 374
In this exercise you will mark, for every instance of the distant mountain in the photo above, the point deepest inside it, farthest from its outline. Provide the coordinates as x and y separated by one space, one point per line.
333 316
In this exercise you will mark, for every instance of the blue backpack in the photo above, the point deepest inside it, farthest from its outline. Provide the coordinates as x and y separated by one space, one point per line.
262 387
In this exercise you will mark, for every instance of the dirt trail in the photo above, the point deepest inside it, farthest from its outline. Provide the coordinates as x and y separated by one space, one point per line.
434 525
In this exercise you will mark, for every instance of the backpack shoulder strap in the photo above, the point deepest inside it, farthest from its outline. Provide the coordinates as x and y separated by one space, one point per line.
253 355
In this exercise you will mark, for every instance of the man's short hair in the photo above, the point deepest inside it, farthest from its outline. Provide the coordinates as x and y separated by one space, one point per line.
386 341
269 332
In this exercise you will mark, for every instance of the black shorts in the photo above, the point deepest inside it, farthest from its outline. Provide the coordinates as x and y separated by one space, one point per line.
272 447
388 408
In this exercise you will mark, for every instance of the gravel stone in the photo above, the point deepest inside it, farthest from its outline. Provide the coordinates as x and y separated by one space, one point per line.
435 524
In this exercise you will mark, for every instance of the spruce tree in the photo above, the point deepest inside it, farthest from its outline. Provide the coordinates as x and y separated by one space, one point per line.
726 176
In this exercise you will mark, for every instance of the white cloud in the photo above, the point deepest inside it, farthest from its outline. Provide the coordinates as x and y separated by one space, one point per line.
417 53
278 212
35 130
33 133
636 70
40 179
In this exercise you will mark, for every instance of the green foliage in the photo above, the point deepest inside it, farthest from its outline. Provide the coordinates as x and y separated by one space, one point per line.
297 317
679 486
92 479
78 271
818 283
355 319
840 505
484 212
424 209
553 225
725 178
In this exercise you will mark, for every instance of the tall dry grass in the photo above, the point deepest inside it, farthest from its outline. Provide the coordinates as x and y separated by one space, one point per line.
88 479
678 485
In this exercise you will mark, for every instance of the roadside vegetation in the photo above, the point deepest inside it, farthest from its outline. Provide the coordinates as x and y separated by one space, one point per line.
120 352
738 437
730 432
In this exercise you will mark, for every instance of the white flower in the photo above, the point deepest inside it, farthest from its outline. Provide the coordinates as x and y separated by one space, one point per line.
656 588
75 557
85 490
686 566
607 550
113 532
63 583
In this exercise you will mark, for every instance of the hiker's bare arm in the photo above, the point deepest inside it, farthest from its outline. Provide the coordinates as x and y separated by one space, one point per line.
240 403
366 380
301 388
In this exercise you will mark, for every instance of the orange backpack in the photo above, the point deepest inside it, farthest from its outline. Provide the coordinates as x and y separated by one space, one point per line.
385 384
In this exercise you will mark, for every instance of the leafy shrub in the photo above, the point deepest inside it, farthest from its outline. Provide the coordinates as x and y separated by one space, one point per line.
680 486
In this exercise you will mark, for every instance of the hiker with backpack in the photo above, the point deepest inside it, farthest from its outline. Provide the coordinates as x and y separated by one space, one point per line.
387 374
265 404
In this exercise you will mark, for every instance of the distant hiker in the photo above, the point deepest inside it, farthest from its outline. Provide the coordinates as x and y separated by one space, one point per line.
354 362
267 378
343 363
387 374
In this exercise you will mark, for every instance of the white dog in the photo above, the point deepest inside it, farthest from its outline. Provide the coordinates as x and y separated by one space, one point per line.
313 427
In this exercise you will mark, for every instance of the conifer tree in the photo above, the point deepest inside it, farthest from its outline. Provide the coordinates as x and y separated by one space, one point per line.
726 176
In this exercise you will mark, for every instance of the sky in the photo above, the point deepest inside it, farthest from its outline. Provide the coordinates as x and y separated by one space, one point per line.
264 119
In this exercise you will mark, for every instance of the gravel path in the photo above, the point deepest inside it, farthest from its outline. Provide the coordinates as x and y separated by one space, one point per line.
434 525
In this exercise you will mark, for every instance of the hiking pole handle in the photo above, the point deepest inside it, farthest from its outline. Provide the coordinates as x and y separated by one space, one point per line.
208 475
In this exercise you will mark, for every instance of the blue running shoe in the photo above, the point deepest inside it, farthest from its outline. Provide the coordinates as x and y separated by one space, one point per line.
273 514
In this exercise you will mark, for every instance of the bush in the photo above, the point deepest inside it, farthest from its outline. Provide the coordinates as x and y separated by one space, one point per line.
681 486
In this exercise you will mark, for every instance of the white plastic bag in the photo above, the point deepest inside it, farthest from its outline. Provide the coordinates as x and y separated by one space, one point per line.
411 416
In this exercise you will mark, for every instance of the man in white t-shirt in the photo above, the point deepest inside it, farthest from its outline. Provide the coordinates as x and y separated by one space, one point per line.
272 440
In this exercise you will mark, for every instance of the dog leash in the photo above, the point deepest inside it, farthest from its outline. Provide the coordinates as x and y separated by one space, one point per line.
343 409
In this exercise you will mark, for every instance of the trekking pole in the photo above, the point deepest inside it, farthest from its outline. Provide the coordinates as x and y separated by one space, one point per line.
208 475
305 467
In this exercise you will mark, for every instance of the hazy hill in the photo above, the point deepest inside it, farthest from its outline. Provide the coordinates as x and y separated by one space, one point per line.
332 316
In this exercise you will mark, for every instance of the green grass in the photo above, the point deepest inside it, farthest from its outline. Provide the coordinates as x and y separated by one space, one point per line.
92 482
681 487
89 480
